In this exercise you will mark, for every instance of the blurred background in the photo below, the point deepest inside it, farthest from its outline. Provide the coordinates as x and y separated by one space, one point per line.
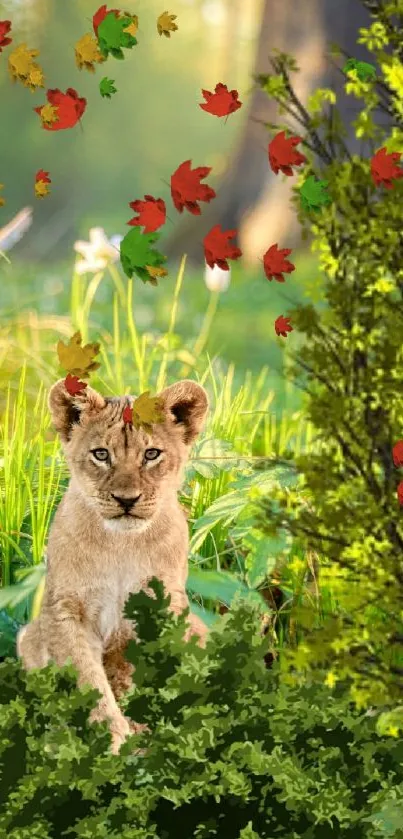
130 145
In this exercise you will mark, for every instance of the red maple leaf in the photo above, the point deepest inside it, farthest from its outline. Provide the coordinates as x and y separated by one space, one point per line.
282 326
70 108
222 102
400 493
186 189
383 168
217 247
275 263
100 15
127 415
397 453
41 175
152 213
283 154
73 385
5 26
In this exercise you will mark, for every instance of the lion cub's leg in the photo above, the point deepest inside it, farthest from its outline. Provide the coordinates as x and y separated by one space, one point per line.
119 670
31 647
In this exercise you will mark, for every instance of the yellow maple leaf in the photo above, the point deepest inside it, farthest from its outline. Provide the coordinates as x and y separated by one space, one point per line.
20 62
49 114
166 25
2 201
147 410
41 189
35 77
154 272
87 53
78 360
133 26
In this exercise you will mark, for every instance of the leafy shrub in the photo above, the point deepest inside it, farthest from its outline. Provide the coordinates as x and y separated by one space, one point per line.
233 752
350 365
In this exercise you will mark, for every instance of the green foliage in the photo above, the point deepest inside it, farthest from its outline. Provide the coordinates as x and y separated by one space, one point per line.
350 366
137 254
107 88
231 752
112 37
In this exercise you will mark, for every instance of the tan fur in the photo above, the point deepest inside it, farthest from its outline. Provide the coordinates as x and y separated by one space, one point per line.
95 558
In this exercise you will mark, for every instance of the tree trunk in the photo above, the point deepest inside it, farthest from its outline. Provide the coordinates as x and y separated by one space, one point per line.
250 198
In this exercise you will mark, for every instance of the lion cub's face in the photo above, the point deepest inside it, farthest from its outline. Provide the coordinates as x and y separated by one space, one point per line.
124 472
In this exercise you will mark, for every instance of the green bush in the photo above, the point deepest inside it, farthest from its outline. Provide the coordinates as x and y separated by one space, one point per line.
233 753
350 365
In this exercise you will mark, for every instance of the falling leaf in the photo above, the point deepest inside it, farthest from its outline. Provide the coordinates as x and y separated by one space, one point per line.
222 102
217 248
87 53
384 169
186 189
283 154
41 175
147 410
23 68
107 87
275 263
70 109
400 493
73 385
5 26
48 114
282 325
20 61
2 201
137 254
313 194
35 78
166 25
133 26
100 15
152 213
78 360
364 70
41 183
112 37
155 272
397 453
127 415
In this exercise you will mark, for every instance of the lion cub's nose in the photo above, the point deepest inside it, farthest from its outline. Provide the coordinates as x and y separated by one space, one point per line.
126 503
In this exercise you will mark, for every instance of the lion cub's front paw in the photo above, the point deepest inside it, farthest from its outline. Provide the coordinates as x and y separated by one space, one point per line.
120 730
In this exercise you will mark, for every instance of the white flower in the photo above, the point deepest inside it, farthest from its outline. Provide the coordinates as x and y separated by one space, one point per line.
98 252
216 279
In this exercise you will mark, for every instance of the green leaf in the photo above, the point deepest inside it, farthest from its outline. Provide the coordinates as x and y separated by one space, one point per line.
8 633
264 552
219 585
30 578
136 252
111 35
107 87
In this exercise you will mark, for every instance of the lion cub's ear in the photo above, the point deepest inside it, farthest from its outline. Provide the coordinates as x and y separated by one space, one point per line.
187 404
67 410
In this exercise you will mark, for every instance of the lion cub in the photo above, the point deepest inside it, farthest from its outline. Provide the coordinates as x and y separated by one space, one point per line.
119 524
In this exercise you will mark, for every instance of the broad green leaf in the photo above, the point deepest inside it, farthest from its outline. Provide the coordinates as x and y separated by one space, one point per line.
219 585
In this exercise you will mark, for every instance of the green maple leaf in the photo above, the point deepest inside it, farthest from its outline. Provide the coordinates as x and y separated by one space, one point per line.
111 35
313 194
137 255
364 70
107 87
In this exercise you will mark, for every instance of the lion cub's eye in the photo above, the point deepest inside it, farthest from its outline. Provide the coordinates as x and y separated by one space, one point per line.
151 454
100 454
